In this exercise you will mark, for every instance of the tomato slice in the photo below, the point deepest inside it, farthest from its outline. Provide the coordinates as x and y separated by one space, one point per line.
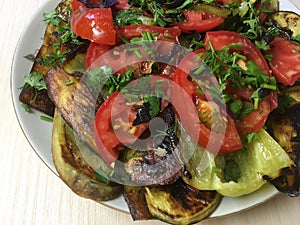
285 63
200 21
94 51
220 39
256 119
195 125
164 34
77 6
94 24
115 117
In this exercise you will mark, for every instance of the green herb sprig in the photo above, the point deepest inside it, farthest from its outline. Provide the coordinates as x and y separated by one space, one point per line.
224 65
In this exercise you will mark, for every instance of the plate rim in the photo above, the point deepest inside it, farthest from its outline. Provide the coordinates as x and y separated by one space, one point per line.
46 6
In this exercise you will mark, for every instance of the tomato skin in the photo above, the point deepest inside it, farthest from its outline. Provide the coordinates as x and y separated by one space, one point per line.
285 63
192 123
220 39
164 34
200 21
114 113
105 138
77 6
94 51
256 119
94 24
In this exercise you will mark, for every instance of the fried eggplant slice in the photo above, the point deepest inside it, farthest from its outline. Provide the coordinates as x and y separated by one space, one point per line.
71 161
74 101
285 128
135 199
28 95
288 21
179 204
40 99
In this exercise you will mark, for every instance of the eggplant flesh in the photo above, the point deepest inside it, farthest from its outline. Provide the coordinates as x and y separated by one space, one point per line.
285 128
136 201
40 99
75 102
287 21
179 204
175 203
74 162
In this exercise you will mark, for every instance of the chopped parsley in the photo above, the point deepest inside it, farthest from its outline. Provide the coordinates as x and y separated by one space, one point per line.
163 14
26 108
131 17
231 67
34 80
52 17
103 77
154 102
65 39
46 118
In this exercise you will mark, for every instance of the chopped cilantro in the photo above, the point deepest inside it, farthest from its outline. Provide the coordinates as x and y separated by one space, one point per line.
69 83
131 17
103 76
154 105
65 37
262 45
249 75
26 108
46 118
53 58
269 57
248 138
34 80
52 17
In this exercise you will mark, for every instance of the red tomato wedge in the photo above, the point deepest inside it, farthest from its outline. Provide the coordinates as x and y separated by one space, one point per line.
285 63
200 21
94 24
115 117
194 123
256 119
220 39
94 51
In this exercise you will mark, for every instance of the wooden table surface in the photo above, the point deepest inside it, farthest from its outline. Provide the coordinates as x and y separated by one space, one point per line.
31 194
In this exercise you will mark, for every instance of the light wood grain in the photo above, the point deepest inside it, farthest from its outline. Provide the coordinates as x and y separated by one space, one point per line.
31 194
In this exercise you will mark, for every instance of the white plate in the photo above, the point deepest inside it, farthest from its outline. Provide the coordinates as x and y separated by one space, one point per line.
38 132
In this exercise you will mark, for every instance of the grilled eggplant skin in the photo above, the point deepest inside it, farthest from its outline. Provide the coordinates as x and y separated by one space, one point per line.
136 201
27 95
179 204
75 102
285 129
287 21
72 167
